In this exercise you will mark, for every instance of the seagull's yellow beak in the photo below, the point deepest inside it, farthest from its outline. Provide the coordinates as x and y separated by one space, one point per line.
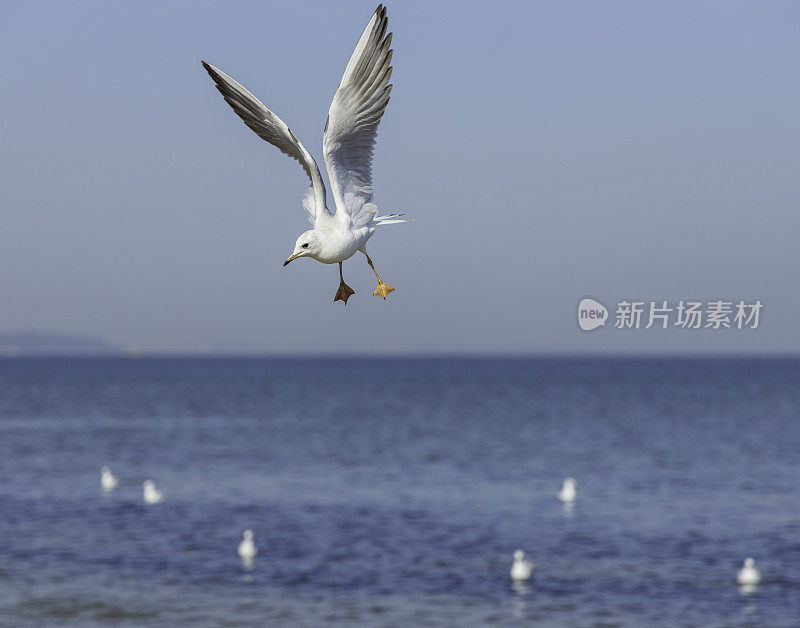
291 257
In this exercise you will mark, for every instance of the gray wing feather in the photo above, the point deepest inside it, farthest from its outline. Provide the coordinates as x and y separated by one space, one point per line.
352 126
271 128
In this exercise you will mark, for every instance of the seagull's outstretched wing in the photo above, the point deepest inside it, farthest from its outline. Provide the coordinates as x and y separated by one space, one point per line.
356 110
271 128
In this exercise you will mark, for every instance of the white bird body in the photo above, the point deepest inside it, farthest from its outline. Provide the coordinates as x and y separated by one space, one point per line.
748 574
338 245
150 493
522 567
348 145
247 547
568 493
108 480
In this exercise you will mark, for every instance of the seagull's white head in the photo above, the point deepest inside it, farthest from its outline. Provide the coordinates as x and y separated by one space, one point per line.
308 244
749 562
519 555
248 534
105 470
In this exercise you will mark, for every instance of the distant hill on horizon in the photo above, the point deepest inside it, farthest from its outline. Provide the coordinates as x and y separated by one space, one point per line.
36 343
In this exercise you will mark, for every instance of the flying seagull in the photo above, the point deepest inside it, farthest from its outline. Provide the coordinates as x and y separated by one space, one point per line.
348 143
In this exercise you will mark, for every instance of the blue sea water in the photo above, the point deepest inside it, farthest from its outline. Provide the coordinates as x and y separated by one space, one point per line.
392 492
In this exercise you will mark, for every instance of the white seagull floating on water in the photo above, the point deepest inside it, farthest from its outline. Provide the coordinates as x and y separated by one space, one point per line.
348 144
568 493
522 567
247 548
108 480
748 575
150 493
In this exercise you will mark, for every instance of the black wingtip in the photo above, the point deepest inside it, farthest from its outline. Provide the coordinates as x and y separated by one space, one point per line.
212 72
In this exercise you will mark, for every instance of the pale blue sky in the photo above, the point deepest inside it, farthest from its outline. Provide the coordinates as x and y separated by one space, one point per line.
548 151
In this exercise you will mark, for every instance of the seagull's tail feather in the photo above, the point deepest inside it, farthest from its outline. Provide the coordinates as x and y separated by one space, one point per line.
390 219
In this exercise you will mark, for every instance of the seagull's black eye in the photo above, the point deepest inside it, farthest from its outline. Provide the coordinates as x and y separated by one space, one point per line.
305 246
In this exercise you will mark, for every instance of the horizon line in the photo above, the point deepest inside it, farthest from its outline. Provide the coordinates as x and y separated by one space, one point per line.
444 355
